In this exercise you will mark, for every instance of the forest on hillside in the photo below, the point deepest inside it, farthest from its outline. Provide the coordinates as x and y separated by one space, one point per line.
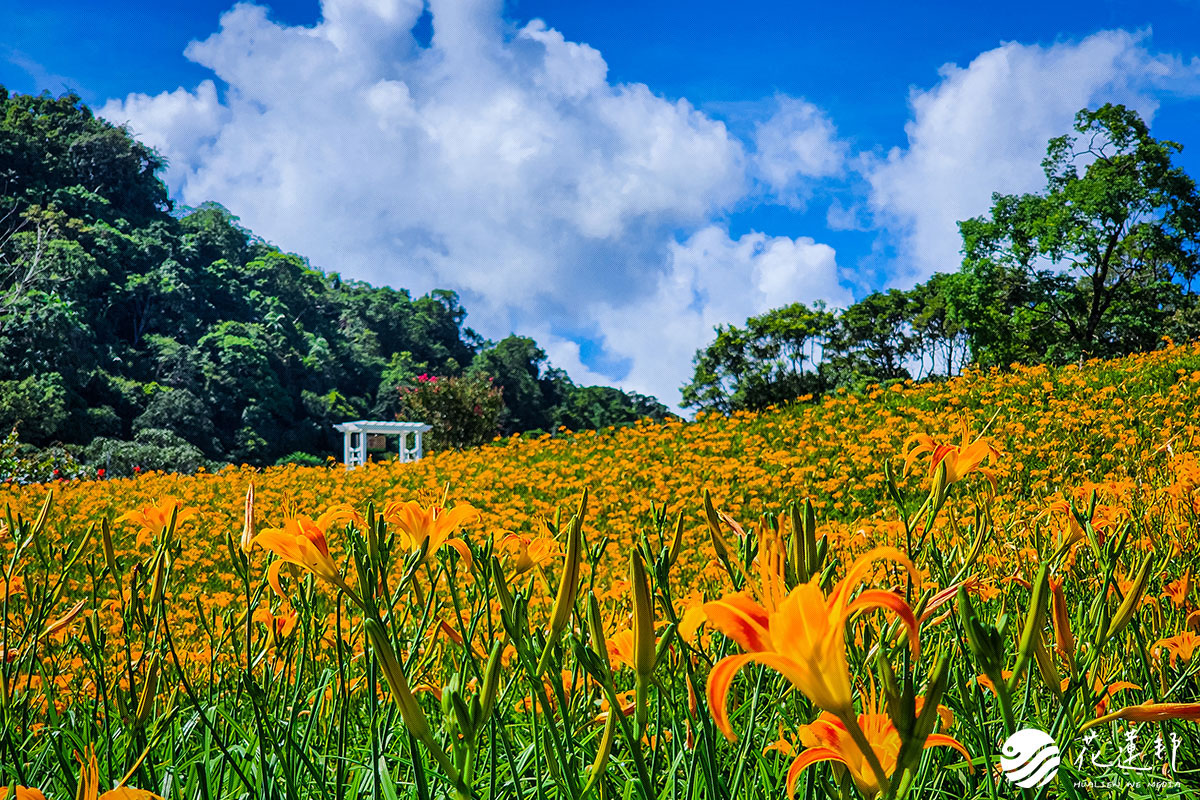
137 335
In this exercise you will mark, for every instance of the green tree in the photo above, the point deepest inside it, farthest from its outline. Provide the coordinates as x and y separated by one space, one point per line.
464 411
762 363
516 365
872 340
1095 265
595 407
939 334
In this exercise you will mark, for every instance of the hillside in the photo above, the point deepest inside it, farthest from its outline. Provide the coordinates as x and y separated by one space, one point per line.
131 578
1111 425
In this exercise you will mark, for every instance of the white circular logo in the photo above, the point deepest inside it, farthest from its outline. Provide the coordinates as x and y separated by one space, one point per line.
1029 758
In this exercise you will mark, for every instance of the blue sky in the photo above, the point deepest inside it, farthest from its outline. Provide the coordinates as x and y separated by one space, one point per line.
619 177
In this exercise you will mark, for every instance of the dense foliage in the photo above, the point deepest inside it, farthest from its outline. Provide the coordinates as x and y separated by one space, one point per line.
1100 264
463 410
368 633
129 327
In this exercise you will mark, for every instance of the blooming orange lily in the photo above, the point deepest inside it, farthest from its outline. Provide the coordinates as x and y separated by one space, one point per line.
827 739
1103 692
1148 712
22 793
301 541
527 552
803 638
1181 645
1177 590
89 782
154 519
419 524
279 624
960 459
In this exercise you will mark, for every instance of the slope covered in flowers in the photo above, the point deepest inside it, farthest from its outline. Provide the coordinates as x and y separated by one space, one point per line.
1114 425
1042 571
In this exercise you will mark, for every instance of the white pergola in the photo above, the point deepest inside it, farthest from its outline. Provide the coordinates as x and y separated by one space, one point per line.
354 449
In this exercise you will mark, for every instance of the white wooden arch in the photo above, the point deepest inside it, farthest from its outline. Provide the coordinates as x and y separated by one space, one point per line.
354 447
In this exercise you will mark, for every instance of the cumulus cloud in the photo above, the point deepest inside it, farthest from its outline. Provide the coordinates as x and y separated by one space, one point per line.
797 142
983 128
498 161
713 279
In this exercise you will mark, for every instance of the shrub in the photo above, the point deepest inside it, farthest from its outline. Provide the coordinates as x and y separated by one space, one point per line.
464 411
303 459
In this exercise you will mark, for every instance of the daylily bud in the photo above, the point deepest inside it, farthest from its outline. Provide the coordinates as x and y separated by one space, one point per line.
43 514
643 631
1064 640
596 630
247 540
158 584
410 710
676 541
149 691
491 681
1132 600
603 751
937 492
568 584
714 532
1046 666
976 546
1035 621
110 555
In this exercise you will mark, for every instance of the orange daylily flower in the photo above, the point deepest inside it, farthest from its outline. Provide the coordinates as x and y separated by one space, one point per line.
1075 532
945 596
527 552
301 541
986 682
89 782
1181 645
1177 590
22 793
418 525
1104 692
1148 712
153 519
804 637
279 624
827 739
960 459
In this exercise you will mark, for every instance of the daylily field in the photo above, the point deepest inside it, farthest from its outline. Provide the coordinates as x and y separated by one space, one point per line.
865 596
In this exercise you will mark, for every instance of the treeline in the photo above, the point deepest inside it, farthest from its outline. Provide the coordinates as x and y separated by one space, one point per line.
1101 263
139 336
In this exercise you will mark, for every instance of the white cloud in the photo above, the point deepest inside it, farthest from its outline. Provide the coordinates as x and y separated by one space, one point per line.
797 142
983 128
497 161
713 279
